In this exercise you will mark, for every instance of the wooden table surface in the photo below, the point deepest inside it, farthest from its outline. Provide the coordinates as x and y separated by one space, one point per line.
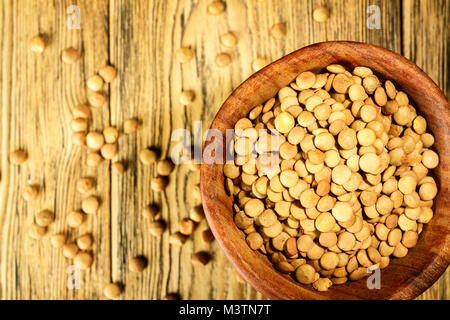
37 94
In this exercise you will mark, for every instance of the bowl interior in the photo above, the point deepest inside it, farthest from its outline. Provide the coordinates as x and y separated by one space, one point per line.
404 278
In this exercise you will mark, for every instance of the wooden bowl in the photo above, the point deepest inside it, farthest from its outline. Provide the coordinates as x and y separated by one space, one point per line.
404 278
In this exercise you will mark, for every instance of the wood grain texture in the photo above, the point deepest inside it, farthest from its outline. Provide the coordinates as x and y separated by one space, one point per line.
140 37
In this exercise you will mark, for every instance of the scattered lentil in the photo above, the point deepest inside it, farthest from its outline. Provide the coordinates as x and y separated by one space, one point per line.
85 242
70 250
84 185
216 8
111 134
321 14
30 192
118 168
148 157
37 44
150 211
90 205
278 30
157 228
58 240
108 73
93 159
228 39
200 259
70 55
112 291
18 157
96 99
83 260
130 126
137 264
44 218
184 55
75 219
95 83
159 183
186 226
37 232
223 60
187 97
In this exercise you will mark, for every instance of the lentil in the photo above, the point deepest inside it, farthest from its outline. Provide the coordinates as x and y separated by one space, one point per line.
58 240
44 218
95 140
95 83
112 291
186 226
108 73
84 242
177 239
83 260
18 157
137 264
78 138
207 236
148 157
150 211
184 55
164 167
321 14
75 219
228 39
93 159
90 205
196 214
84 185
200 259
223 60
118 168
70 250
96 99
130 126
111 134
187 97
37 44
69 55
216 8
159 183
108 151
157 228
30 192
81 111
278 31
36 232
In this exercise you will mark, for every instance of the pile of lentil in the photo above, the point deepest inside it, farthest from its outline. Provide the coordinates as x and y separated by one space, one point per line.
331 176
